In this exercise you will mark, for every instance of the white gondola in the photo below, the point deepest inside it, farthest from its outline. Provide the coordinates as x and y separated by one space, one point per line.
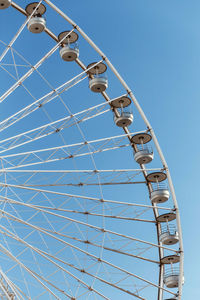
124 119
67 53
159 194
69 50
5 4
122 115
98 83
171 280
143 155
168 235
171 275
37 23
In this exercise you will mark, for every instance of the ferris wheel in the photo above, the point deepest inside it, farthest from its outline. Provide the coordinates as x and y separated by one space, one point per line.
87 205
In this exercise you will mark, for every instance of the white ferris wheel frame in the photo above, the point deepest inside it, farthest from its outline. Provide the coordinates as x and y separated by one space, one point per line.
127 134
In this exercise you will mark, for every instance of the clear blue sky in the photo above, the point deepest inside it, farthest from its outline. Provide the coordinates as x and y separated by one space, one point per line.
155 46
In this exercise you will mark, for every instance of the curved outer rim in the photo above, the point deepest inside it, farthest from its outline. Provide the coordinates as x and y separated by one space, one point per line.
150 129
